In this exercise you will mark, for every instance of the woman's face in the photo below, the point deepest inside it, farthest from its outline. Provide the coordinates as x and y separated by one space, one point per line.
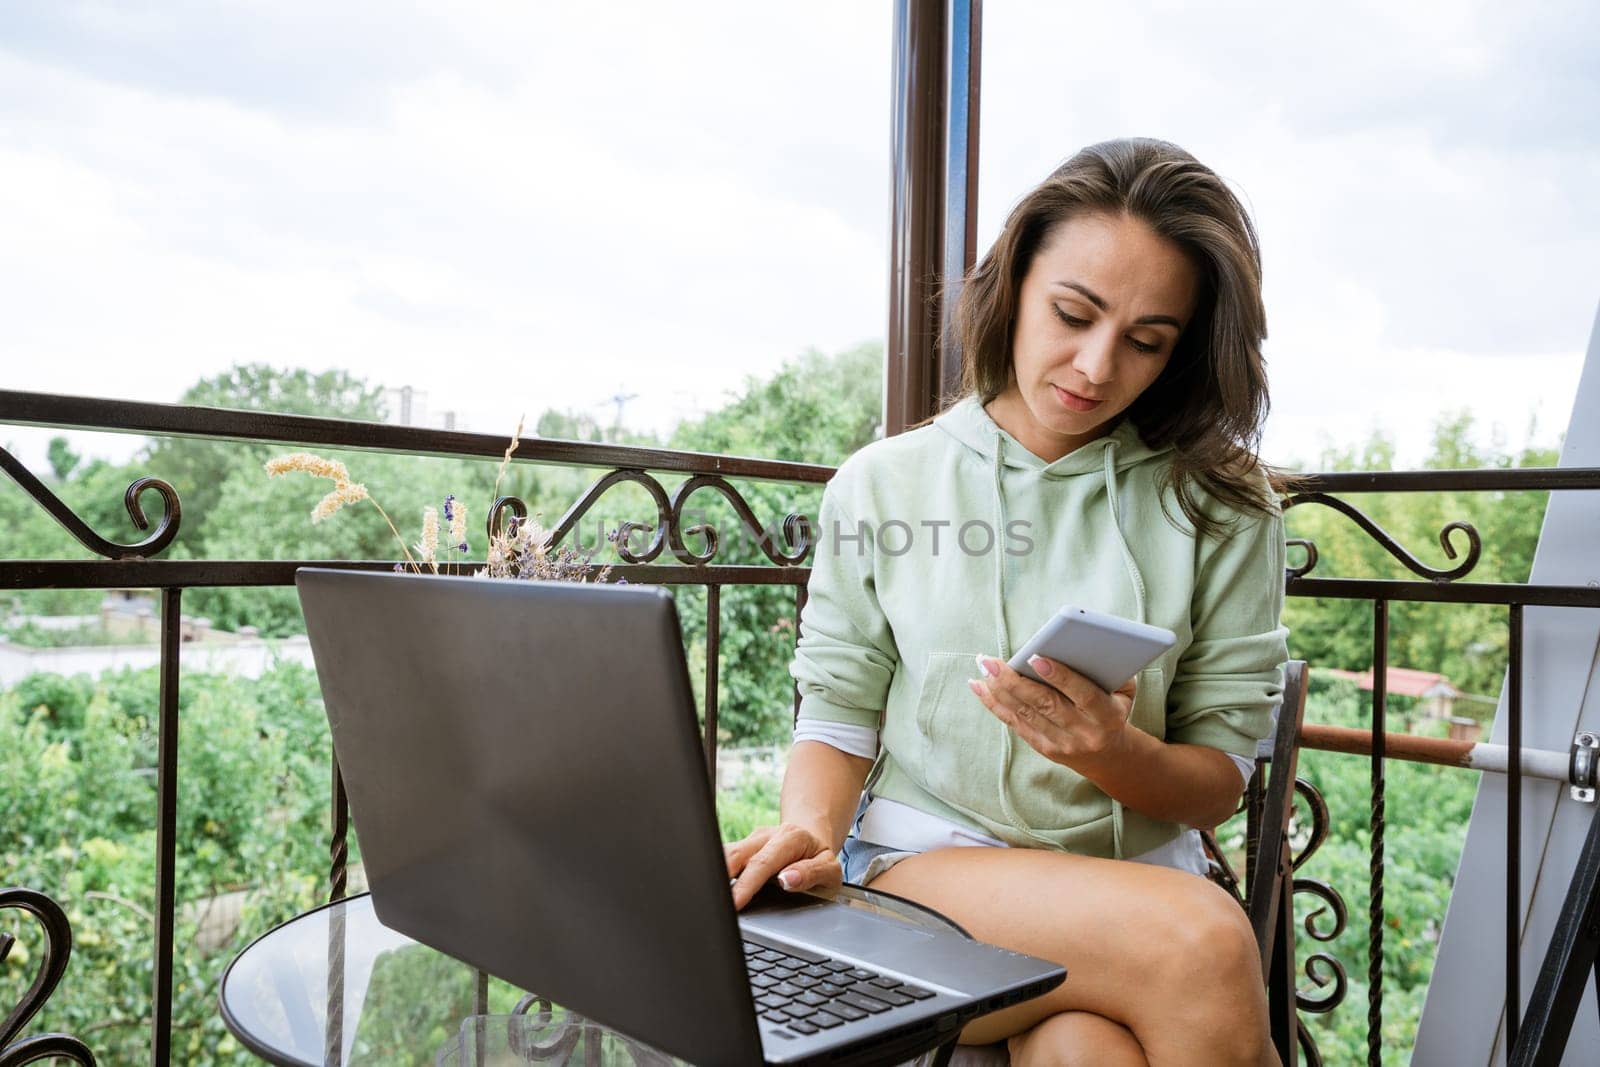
1100 310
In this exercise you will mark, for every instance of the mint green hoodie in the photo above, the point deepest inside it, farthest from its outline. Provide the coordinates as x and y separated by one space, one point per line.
953 540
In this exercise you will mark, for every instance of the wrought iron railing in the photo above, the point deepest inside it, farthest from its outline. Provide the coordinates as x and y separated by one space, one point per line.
1438 586
694 550
693 547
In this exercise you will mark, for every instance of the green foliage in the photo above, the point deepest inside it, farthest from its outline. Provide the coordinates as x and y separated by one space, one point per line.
817 409
414 1005
94 492
1427 808
77 799
199 469
58 700
1466 643
258 517
744 806
62 458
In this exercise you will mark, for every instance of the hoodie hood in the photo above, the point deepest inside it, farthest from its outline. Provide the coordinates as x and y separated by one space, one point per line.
1108 457
971 425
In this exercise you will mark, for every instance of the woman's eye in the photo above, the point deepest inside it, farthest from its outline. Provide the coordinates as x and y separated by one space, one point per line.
1077 324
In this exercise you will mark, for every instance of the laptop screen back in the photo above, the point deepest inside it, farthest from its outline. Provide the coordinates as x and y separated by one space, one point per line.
528 788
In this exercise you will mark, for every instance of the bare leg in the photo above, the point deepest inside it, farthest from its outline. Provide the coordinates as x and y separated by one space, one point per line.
1164 954
1072 1038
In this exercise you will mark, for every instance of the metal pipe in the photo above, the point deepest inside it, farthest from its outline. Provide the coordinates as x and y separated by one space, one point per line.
166 828
1485 480
713 663
339 838
1543 596
182 573
1380 704
1514 831
1439 751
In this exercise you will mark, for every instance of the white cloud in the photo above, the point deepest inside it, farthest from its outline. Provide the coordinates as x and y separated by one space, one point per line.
517 205
469 232
1421 176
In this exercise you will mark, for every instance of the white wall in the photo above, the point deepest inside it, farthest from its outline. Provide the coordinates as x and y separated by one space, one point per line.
246 659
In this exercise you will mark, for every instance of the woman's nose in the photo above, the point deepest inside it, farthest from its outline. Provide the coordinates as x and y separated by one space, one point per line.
1097 357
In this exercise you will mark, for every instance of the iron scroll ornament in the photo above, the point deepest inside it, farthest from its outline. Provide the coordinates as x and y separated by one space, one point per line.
166 530
52 965
1388 543
518 510
668 529
1321 968
796 528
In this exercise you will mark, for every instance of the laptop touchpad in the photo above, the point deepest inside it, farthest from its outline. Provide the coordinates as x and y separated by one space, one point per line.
839 929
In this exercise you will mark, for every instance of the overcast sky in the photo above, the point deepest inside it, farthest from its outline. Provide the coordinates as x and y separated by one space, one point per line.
515 205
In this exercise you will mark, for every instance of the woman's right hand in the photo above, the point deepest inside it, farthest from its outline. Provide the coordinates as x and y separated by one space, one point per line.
796 856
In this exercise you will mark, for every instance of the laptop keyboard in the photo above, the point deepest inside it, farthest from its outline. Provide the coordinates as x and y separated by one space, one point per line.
807 992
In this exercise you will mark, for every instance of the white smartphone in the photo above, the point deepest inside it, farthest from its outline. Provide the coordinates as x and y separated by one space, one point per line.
1106 649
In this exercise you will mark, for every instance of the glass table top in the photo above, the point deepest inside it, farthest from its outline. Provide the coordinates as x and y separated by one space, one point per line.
335 986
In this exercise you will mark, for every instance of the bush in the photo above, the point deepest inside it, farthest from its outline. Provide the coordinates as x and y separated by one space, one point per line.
1427 809
78 803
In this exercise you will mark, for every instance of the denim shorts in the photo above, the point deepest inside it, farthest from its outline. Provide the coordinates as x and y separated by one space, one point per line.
863 860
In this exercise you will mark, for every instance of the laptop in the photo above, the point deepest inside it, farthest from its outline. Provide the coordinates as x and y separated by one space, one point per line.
526 778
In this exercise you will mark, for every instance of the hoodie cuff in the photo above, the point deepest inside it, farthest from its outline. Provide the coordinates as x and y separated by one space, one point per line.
816 707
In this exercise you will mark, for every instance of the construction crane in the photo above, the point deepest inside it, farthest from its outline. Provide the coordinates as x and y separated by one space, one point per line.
620 399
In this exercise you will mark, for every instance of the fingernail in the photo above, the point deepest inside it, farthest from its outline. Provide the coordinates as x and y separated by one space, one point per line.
986 666
976 686
788 879
1040 664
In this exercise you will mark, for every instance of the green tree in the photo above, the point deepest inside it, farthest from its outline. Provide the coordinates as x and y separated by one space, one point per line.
62 458
1466 643
78 808
94 492
816 409
257 517
199 469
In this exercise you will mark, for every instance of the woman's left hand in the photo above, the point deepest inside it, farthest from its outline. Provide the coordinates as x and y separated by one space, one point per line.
1066 720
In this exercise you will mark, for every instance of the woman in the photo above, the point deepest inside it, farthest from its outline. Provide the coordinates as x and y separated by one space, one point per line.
1103 454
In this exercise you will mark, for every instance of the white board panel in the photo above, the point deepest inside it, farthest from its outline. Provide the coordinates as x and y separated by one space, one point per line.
1463 1019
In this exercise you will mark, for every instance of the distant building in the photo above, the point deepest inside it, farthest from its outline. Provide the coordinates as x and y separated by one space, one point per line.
1434 691
408 406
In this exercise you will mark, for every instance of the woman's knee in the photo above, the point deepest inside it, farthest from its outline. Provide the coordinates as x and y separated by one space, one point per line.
1208 939
1211 977
1077 1037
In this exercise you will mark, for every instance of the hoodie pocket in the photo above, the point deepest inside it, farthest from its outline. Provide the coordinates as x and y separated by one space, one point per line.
1150 702
1059 802
960 738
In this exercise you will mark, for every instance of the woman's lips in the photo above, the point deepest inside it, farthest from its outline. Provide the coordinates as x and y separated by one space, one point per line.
1073 402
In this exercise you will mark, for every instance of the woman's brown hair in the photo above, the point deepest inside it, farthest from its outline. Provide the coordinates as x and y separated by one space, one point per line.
1210 400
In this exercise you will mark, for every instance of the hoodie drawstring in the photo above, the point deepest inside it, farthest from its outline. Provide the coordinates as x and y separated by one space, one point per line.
1137 579
1002 638
1132 567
